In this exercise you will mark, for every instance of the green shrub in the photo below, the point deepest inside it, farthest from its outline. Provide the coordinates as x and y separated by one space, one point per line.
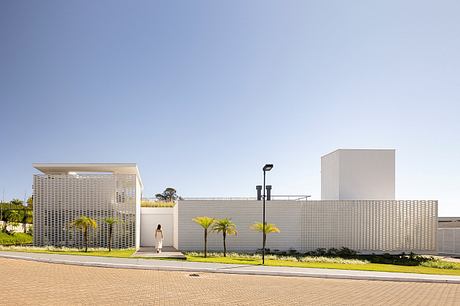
343 252
347 253
157 204
15 239
285 257
438 264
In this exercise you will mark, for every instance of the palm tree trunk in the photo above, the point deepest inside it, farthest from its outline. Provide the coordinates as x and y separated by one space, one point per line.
85 238
110 238
205 242
225 247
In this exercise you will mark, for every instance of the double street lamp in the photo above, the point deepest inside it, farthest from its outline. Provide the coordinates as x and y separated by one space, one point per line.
266 168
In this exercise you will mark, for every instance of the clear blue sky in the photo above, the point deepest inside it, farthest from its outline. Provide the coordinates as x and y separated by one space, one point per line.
202 93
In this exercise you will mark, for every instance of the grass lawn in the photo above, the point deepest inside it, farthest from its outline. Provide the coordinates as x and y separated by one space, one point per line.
324 265
124 253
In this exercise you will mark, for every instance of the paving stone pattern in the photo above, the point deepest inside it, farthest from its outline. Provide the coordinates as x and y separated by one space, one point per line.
34 283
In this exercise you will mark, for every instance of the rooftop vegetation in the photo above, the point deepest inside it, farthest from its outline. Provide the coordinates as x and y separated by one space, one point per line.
149 203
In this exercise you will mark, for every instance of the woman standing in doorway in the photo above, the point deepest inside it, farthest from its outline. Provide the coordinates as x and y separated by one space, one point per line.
159 238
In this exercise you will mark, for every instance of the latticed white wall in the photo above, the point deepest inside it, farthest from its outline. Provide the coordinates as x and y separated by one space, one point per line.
61 199
369 226
449 241
365 226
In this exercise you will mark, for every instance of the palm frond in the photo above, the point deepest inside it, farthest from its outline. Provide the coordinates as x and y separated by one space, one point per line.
204 221
269 227
225 226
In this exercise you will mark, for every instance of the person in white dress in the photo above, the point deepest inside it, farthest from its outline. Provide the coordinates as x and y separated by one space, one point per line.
159 238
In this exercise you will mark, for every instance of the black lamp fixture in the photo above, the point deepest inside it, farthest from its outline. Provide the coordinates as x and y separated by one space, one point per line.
266 168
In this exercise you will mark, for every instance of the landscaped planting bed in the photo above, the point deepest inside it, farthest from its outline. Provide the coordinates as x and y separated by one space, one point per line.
386 263
404 263
15 239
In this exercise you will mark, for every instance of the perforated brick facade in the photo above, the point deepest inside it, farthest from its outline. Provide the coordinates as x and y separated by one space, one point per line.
62 198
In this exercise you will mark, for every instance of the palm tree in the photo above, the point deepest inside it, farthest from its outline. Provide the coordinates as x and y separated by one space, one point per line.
227 227
26 218
84 223
269 228
110 222
16 202
205 223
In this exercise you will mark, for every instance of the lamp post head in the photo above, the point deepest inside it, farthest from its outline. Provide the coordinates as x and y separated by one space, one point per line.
268 167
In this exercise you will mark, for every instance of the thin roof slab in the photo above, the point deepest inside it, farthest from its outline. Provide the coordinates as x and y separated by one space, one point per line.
65 168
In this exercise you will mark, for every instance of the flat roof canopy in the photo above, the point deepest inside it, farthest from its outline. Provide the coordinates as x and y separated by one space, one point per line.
58 168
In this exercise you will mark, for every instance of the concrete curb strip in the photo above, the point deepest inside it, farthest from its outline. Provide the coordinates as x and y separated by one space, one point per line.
246 270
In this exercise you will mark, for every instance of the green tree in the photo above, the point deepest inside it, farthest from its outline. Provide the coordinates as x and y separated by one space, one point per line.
168 195
269 228
12 217
30 202
205 223
16 202
26 218
226 227
84 223
3 218
110 222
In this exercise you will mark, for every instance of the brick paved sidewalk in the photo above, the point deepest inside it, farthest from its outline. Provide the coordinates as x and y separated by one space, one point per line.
166 265
37 283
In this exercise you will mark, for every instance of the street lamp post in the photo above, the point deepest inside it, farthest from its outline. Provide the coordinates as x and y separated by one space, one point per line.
266 168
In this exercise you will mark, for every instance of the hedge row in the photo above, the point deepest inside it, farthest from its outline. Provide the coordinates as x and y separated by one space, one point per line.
15 239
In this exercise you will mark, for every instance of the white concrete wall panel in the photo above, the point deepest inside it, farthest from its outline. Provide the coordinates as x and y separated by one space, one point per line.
449 241
330 177
349 174
365 226
138 213
175 224
150 218
285 214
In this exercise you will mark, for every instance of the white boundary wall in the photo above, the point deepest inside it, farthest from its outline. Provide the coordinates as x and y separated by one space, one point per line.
19 228
365 226
150 218
449 241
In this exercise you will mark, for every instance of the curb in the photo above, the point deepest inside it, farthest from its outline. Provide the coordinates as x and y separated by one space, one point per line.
245 271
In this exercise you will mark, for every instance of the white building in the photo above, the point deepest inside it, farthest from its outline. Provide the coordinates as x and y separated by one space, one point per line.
65 192
358 174
357 210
